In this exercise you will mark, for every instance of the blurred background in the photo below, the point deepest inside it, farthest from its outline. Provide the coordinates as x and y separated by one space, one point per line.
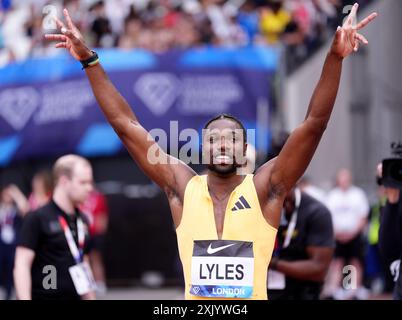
186 61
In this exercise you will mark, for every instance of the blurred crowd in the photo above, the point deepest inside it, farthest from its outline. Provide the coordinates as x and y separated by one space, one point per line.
160 25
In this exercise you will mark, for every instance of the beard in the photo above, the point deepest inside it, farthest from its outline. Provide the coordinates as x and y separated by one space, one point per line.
223 170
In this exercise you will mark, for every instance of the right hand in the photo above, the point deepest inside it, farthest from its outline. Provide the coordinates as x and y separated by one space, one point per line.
71 39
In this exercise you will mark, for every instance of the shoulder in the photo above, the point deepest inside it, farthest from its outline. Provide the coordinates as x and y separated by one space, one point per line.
40 213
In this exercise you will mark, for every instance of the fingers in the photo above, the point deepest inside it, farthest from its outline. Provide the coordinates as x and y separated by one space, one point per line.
56 37
69 34
68 19
61 45
367 20
59 23
353 14
361 38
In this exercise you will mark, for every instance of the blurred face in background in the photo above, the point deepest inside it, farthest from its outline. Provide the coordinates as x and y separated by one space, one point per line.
5 197
344 179
79 186
42 183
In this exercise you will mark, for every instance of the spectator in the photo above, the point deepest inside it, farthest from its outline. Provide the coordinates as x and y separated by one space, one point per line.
390 236
274 20
374 268
306 186
101 26
42 188
248 20
13 205
349 208
303 250
160 25
96 210
57 235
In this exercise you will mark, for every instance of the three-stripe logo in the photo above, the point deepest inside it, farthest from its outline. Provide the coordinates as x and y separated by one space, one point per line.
241 204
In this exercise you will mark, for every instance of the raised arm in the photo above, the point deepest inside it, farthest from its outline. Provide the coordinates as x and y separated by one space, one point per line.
279 175
170 174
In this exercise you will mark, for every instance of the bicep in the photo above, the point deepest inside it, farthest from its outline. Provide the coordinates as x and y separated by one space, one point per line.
295 155
24 257
30 231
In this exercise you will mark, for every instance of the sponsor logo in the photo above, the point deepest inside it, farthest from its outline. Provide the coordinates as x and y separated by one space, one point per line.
158 91
241 204
211 250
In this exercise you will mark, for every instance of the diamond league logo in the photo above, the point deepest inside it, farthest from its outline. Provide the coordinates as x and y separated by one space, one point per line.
196 289
158 91
17 105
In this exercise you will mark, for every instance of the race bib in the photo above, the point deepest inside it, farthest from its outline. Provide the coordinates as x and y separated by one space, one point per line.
222 269
82 277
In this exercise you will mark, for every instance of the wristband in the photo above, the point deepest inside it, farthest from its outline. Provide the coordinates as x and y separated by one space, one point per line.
90 62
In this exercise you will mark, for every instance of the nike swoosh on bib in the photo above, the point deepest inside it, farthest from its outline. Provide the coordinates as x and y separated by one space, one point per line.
211 250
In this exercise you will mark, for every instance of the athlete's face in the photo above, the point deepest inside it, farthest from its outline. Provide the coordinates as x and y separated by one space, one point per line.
224 148
80 185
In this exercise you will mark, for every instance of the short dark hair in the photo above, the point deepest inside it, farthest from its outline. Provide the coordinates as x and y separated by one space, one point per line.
229 117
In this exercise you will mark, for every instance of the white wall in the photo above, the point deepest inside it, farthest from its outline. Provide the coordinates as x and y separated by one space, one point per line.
359 141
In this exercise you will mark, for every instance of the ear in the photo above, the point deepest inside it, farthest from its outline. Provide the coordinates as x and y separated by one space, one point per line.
63 179
245 149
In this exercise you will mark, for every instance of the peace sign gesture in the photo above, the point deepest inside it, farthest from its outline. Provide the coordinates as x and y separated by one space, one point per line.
347 39
71 38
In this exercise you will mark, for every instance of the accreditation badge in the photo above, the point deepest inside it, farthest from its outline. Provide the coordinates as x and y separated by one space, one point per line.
222 269
7 234
276 280
82 277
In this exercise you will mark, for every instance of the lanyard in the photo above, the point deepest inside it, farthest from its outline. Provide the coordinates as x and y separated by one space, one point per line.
293 219
77 253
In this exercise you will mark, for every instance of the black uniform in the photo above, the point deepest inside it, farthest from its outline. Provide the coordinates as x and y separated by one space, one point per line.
313 229
42 233
390 239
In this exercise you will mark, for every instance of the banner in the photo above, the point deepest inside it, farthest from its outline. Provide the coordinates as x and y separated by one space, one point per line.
47 107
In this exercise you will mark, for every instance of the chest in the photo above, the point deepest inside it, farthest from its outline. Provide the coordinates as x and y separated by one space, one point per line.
219 211
54 239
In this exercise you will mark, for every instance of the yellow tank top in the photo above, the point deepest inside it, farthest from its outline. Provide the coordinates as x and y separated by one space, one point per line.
243 221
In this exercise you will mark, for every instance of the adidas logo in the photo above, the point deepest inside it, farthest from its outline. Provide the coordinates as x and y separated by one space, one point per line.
241 204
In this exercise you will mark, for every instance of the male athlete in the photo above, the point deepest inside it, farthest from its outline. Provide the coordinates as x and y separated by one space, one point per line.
226 223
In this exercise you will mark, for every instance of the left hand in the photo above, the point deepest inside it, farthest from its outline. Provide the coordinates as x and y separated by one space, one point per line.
347 39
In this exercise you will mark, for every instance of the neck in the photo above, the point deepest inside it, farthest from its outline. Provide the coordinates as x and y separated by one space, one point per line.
223 183
60 198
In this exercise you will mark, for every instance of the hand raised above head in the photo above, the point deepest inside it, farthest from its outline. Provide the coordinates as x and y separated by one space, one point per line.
70 38
347 39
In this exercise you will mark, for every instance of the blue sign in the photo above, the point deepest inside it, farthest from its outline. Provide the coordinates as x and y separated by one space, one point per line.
47 107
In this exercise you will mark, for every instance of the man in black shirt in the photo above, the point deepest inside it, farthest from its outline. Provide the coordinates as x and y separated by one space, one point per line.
390 236
303 250
54 239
